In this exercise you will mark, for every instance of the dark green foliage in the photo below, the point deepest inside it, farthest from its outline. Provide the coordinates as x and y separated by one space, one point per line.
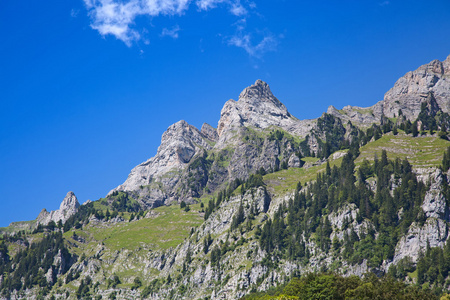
386 125
434 266
123 202
336 287
4 256
137 283
446 161
334 135
223 195
427 115
254 181
277 135
153 287
209 209
304 147
114 281
198 171
306 214
206 243
83 290
215 256
261 171
402 268
238 218
31 264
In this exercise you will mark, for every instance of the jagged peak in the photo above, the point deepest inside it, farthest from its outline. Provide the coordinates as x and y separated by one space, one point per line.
331 109
257 93
446 64
209 132
179 128
70 201
68 207
178 124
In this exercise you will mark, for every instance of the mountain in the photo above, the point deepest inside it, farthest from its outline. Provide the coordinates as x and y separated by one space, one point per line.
227 212
406 95
68 207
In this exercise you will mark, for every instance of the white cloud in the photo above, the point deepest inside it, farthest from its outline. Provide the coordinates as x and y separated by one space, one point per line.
235 6
237 9
266 44
208 4
117 18
173 33
384 3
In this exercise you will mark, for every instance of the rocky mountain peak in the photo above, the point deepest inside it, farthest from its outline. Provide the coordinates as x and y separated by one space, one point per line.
209 132
259 93
68 207
180 143
70 202
446 64
257 107
413 88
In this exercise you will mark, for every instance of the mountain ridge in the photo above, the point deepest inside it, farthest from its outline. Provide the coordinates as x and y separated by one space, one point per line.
258 108
218 213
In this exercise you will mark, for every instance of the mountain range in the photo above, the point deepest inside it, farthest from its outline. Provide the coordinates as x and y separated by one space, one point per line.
220 213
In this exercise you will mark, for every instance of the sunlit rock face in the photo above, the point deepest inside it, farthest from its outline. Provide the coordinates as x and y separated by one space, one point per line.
69 206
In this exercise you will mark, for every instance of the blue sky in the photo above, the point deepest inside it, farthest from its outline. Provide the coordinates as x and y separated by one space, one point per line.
89 86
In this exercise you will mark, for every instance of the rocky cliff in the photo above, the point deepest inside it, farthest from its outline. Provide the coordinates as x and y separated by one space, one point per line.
406 95
68 207
258 108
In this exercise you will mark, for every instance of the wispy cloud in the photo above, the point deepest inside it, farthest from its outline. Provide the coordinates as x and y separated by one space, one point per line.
173 32
266 44
208 4
117 18
74 13
384 3
265 41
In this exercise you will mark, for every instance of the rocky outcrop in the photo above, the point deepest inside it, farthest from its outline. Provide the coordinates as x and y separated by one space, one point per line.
179 144
357 115
434 231
406 95
209 132
258 108
412 89
69 206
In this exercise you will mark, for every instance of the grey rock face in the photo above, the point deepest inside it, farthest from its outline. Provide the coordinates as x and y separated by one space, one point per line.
209 132
435 229
357 115
257 107
412 89
434 204
407 95
69 206
179 144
